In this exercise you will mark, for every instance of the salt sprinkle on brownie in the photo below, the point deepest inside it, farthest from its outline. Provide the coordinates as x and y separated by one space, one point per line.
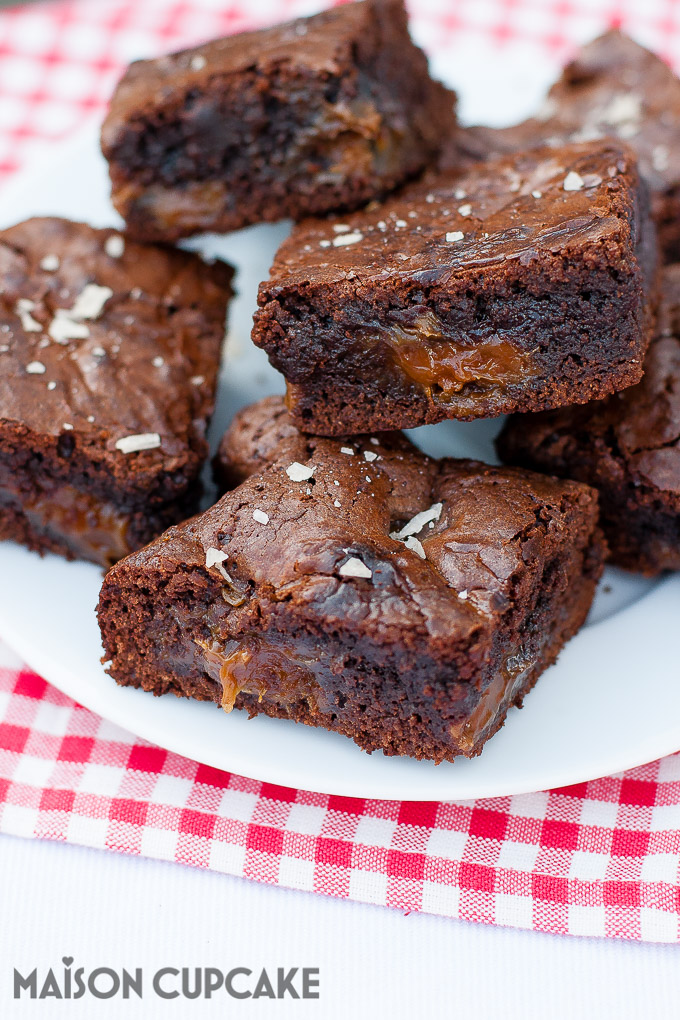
102 433
519 304
407 610
612 88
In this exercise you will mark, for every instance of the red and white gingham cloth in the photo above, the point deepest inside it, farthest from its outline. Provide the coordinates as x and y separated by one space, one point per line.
602 858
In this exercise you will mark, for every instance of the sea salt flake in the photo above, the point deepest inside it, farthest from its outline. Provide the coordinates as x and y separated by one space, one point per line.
454 235
465 210
260 516
198 62
298 472
197 380
336 502
459 193
63 328
143 441
114 246
67 426
99 352
90 302
573 181
51 385
348 450
35 368
537 194
401 223
418 522
341 228
343 239
50 263
355 568
216 558
415 546
324 244
23 309
158 362
462 595
591 180
370 456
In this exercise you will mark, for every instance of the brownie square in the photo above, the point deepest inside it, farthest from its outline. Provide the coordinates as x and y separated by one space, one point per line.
109 352
613 87
628 447
359 586
522 284
317 114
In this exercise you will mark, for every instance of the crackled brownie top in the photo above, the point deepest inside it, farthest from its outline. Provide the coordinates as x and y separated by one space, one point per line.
442 541
616 87
526 207
613 88
320 44
110 341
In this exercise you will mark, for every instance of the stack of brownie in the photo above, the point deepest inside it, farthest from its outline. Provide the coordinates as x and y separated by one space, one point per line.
345 579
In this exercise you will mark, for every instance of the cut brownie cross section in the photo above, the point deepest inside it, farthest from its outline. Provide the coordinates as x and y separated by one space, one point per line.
628 447
317 114
613 87
360 586
109 352
522 284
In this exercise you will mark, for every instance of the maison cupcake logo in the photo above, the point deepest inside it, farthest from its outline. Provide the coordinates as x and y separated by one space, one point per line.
70 981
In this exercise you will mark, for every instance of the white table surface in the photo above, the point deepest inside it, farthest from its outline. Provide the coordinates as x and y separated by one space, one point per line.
106 909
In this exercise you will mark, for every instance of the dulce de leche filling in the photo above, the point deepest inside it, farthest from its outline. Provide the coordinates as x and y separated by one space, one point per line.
257 667
444 367
497 697
90 528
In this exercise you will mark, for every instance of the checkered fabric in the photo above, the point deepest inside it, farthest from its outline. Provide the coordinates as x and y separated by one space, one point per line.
601 858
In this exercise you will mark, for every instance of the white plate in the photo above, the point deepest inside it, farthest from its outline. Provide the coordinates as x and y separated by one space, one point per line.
611 702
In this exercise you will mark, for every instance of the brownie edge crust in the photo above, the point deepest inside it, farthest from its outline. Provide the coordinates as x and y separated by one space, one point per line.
403 602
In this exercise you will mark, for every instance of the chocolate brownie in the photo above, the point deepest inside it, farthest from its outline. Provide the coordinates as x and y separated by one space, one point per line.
522 284
109 353
628 447
613 87
318 114
360 586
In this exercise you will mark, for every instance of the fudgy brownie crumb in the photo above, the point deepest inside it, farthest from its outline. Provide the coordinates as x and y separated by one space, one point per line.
628 447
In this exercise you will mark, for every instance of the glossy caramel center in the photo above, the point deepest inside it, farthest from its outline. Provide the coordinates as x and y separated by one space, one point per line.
444 367
255 666
497 697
